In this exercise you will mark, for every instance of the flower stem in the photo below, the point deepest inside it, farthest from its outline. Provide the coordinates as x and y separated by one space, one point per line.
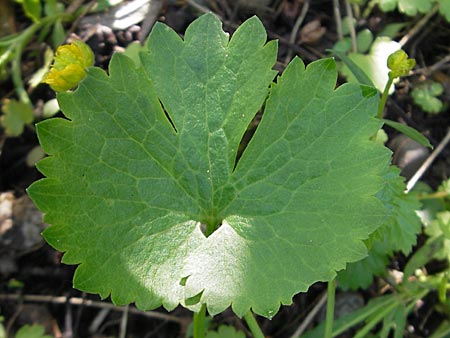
18 44
253 325
384 97
199 322
331 290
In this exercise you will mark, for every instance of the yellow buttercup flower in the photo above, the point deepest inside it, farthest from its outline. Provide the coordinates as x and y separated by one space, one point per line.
69 67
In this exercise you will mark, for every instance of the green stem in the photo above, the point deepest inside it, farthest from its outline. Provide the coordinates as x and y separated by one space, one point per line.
253 325
375 319
331 291
435 195
361 316
19 42
199 322
16 74
384 97
396 301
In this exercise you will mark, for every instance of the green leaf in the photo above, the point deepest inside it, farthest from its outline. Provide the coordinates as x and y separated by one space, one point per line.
16 115
444 8
364 40
102 5
399 233
445 186
347 23
58 33
422 256
442 331
32 331
225 331
412 7
347 321
392 30
402 228
381 136
399 321
53 7
32 9
440 227
387 5
425 96
145 193
408 7
132 51
410 132
360 274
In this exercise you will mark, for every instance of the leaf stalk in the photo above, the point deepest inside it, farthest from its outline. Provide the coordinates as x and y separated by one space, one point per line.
331 291
253 325
199 323
384 97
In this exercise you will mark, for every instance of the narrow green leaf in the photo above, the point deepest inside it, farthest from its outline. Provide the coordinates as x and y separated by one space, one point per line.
423 255
354 68
58 33
410 132
443 331
354 318
400 321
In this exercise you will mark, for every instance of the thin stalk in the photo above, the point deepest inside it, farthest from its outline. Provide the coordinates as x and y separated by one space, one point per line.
434 195
337 18
331 291
384 97
199 322
388 310
351 27
253 325
364 314
16 74
376 319
442 288
417 297
19 43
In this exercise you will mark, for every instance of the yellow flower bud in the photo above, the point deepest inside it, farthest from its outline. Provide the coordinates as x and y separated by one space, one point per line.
399 64
69 67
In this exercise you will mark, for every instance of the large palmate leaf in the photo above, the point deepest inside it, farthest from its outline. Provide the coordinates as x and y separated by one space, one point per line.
144 191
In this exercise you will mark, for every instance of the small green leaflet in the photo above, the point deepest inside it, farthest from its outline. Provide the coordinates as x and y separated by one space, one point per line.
147 157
